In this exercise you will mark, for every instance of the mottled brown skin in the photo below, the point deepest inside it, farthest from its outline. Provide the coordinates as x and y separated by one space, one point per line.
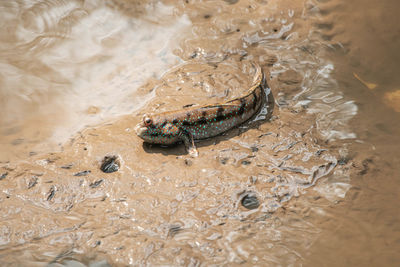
203 122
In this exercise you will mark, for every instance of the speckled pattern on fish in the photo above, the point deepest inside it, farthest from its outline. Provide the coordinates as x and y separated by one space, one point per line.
203 122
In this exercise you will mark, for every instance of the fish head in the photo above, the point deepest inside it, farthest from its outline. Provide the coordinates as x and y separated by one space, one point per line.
157 130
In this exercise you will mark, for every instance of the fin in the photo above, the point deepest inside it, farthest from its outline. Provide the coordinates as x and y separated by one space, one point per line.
188 140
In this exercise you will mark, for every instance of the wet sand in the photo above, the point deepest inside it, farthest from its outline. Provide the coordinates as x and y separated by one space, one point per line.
311 181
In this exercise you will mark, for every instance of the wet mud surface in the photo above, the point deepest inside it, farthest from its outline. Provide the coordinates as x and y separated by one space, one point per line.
298 184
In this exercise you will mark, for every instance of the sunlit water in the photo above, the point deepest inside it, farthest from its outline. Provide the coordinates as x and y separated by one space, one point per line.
67 65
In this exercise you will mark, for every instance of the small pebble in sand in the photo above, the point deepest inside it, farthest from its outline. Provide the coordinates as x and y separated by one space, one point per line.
250 201
110 164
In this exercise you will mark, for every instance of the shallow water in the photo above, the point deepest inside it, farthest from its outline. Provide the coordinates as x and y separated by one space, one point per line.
312 180
68 64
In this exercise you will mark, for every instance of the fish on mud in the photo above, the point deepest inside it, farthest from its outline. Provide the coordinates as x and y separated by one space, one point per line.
203 122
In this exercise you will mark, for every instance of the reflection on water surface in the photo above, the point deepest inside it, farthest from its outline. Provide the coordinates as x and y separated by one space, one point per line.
68 64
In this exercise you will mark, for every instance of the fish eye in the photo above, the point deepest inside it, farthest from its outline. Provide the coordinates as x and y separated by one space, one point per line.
147 121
